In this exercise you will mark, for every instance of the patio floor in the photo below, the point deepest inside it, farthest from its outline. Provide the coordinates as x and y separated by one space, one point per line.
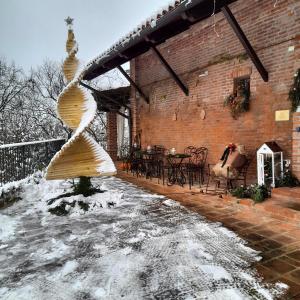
275 235
138 246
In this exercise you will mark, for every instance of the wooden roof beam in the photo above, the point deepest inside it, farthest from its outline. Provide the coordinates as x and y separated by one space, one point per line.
245 42
110 109
171 71
132 82
103 95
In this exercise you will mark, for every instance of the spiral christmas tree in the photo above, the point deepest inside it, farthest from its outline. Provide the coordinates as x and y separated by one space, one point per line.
81 155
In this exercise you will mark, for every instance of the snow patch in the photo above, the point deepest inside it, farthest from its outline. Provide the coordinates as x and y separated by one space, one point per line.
100 292
226 294
57 249
7 228
216 272
170 203
69 267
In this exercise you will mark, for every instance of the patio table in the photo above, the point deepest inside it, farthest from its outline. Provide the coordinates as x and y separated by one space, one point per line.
175 168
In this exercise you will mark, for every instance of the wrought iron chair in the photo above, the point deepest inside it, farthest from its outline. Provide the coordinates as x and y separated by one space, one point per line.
242 176
136 163
158 162
228 182
196 165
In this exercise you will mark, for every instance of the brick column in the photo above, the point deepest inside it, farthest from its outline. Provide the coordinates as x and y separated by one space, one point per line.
296 145
112 134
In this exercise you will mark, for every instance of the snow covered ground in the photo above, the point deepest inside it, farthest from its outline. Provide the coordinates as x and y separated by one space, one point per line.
143 246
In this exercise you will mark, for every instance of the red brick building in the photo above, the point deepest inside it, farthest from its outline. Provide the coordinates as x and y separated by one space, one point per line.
207 57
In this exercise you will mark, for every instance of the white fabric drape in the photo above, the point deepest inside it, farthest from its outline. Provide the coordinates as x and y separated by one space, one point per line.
120 129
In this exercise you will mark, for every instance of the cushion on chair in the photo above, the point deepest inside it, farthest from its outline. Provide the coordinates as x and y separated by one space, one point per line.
236 160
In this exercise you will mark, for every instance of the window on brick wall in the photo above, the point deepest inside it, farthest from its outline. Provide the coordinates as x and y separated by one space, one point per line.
241 84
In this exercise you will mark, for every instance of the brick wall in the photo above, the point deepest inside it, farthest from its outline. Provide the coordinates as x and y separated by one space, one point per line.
112 134
271 31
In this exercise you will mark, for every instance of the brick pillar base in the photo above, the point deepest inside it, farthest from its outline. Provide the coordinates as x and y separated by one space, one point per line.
296 146
112 135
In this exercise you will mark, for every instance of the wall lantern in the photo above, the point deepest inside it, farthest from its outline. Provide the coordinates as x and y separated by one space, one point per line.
269 163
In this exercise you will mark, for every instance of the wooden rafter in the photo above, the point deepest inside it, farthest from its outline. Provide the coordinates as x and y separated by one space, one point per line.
171 71
245 42
132 82
108 99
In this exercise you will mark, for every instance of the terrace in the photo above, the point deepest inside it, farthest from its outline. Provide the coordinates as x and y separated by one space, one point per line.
160 228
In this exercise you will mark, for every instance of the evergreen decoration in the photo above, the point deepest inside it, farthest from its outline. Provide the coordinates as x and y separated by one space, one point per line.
257 193
294 94
239 102
288 180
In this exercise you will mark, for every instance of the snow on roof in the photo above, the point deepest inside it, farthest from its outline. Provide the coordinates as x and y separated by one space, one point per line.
149 22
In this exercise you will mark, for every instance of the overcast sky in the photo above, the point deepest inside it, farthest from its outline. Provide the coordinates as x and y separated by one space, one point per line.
33 30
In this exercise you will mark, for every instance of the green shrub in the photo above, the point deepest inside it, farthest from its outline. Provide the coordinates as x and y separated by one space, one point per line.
288 180
257 193
239 192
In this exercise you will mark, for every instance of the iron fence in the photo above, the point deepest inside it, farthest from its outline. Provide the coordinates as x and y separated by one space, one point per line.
18 161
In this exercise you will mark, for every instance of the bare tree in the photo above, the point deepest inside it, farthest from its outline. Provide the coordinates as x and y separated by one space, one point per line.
48 82
12 84
28 103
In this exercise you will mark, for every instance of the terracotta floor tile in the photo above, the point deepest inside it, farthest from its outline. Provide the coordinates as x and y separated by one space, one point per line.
245 224
284 239
269 244
291 261
278 265
266 273
266 233
295 275
295 233
254 237
268 255
233 227
295 255
292 247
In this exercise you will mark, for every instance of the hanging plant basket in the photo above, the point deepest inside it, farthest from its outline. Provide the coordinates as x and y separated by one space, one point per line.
239 102
294 94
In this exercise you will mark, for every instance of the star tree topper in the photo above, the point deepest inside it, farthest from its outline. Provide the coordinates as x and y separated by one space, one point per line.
69 22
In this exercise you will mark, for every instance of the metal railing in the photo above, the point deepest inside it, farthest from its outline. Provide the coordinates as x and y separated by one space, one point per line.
20 160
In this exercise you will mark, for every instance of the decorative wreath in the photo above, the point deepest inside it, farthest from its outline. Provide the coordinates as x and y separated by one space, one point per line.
238 103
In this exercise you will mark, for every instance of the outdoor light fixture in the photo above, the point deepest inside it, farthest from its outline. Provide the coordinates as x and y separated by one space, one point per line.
269 163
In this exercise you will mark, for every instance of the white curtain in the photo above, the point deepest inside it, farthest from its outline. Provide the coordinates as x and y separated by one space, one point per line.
120 129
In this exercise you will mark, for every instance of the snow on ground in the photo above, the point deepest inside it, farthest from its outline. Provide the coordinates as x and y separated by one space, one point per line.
143 247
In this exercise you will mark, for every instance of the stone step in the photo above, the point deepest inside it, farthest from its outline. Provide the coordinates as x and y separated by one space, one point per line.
286 193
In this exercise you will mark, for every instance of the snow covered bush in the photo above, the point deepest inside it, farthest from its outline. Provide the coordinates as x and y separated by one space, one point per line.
12 191
79 205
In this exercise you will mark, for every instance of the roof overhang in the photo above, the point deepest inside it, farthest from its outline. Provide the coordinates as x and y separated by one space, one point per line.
167 25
